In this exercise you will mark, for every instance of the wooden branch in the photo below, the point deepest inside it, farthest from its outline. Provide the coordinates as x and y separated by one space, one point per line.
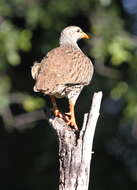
75 148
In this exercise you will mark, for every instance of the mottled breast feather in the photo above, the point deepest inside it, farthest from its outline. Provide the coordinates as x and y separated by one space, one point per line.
63 66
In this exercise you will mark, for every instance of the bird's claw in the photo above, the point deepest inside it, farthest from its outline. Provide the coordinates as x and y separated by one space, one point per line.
57 113
68 114
72 124
67 118
70 120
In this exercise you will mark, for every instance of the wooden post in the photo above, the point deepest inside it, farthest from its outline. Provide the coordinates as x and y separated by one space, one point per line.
75 148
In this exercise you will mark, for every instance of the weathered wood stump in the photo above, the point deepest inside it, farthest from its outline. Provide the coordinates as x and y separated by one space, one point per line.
75 148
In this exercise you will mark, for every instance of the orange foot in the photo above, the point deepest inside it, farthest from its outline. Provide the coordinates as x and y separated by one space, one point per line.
57 113
70 120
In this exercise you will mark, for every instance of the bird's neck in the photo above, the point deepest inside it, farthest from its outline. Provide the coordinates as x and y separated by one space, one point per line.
68 43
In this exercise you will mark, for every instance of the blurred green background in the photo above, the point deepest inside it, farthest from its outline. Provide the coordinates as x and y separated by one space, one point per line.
28 145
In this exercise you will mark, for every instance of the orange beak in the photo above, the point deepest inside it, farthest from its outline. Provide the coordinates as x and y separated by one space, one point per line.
84 35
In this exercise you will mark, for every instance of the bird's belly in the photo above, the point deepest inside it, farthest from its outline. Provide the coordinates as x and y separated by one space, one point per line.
67 90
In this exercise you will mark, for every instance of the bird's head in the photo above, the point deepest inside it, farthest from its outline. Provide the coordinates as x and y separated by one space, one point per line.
71 34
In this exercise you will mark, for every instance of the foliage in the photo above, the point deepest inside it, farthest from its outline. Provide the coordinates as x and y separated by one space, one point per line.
30 28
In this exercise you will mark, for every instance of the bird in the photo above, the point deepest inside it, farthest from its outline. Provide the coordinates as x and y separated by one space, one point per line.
64 71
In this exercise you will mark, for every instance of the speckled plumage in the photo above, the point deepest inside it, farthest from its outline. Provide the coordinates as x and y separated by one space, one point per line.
65 70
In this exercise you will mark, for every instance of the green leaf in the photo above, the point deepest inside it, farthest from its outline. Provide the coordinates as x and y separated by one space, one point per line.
13 58
119 90
31 103
24 40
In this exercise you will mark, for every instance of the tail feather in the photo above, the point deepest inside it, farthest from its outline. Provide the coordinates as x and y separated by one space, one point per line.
35 70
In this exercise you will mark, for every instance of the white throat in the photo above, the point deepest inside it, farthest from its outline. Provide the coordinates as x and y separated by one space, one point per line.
67 42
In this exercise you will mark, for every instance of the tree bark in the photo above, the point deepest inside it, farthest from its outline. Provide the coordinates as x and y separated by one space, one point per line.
75 148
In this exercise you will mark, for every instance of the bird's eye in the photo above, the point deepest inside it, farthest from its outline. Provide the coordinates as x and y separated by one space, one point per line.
78 30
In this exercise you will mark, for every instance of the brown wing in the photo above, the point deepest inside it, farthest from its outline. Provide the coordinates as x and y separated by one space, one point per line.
63 66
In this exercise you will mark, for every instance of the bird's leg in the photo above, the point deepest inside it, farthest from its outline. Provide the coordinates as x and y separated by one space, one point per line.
70 117
56 111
